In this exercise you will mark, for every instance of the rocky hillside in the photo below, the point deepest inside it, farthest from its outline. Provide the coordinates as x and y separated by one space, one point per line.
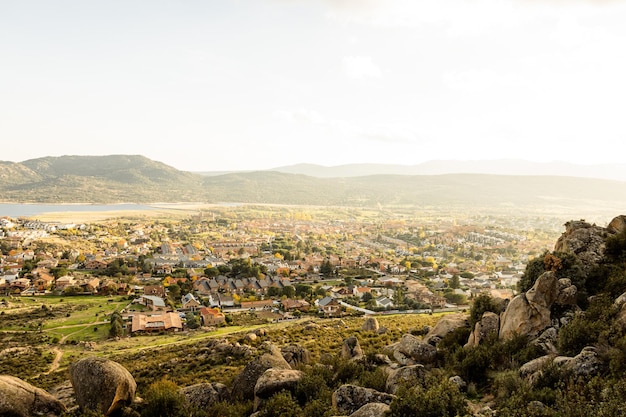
556 349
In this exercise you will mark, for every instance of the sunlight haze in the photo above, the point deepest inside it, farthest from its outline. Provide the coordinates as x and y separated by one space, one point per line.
251 84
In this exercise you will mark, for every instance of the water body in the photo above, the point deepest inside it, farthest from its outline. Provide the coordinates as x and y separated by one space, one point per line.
29 210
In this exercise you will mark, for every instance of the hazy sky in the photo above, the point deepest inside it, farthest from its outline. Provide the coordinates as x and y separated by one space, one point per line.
212 85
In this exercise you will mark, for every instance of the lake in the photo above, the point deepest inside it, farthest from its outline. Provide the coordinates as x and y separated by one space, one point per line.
28 210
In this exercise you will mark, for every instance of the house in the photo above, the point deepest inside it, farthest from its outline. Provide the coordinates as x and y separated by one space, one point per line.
384 302
64 282
155 323
190 302
329 306
293 305
211 316
156 290
43 281
152 301
95 264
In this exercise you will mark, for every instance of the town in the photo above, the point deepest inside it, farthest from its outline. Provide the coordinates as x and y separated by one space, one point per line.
202 268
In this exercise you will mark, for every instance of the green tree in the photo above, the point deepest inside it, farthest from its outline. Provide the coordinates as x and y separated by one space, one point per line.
117 325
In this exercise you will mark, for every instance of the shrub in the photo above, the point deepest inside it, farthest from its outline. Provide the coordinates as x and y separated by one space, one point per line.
440 399
281 405
163 399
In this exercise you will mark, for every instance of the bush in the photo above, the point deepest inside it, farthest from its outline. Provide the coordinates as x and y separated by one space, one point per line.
163 399
441 399
281 405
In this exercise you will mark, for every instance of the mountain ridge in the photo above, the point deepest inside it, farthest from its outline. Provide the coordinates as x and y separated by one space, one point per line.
437 167
134 178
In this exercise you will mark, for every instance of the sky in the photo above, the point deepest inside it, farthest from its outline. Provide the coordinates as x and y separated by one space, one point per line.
220 85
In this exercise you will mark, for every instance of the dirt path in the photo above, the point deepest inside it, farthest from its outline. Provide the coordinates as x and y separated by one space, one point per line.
57 359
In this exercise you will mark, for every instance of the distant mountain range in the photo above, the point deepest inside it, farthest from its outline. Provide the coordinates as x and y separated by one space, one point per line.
494 167
133 178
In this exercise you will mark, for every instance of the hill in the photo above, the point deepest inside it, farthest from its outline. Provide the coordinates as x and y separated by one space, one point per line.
132 178
493 167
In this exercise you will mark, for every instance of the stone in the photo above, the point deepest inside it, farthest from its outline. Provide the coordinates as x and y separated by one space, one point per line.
536 365
459 382
296 355
584 240
347 399
547 341
250 338
617 225
102 385
351 348
586 364
18 398
273 381
411 350
529 314
244 383
370 325
411 374
489 324
372 410
445 326
204 395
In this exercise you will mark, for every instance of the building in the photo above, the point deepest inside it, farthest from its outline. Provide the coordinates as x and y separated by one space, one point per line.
211 316
156 323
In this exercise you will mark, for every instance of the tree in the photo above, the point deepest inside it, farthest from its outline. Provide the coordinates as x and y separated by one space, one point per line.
289 291
326 268
455 282
117 325
192 320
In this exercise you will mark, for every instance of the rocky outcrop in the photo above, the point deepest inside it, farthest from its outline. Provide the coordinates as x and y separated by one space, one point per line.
370 325
584 240
411 351
18 398
296 355
347 399
617 225
547 341
529 313
102 385
244 383
351 349
445 326
488 325
407 374
273 381
586 364
204 395
372 410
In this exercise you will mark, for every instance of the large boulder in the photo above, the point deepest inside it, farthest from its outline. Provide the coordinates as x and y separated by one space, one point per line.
488 325
351 349
203 395
407 374
273 381
244 383
529 313
370 325
18 398
584 240
446 325
617 225
102 385
349 398
586 364
411 351
296 355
